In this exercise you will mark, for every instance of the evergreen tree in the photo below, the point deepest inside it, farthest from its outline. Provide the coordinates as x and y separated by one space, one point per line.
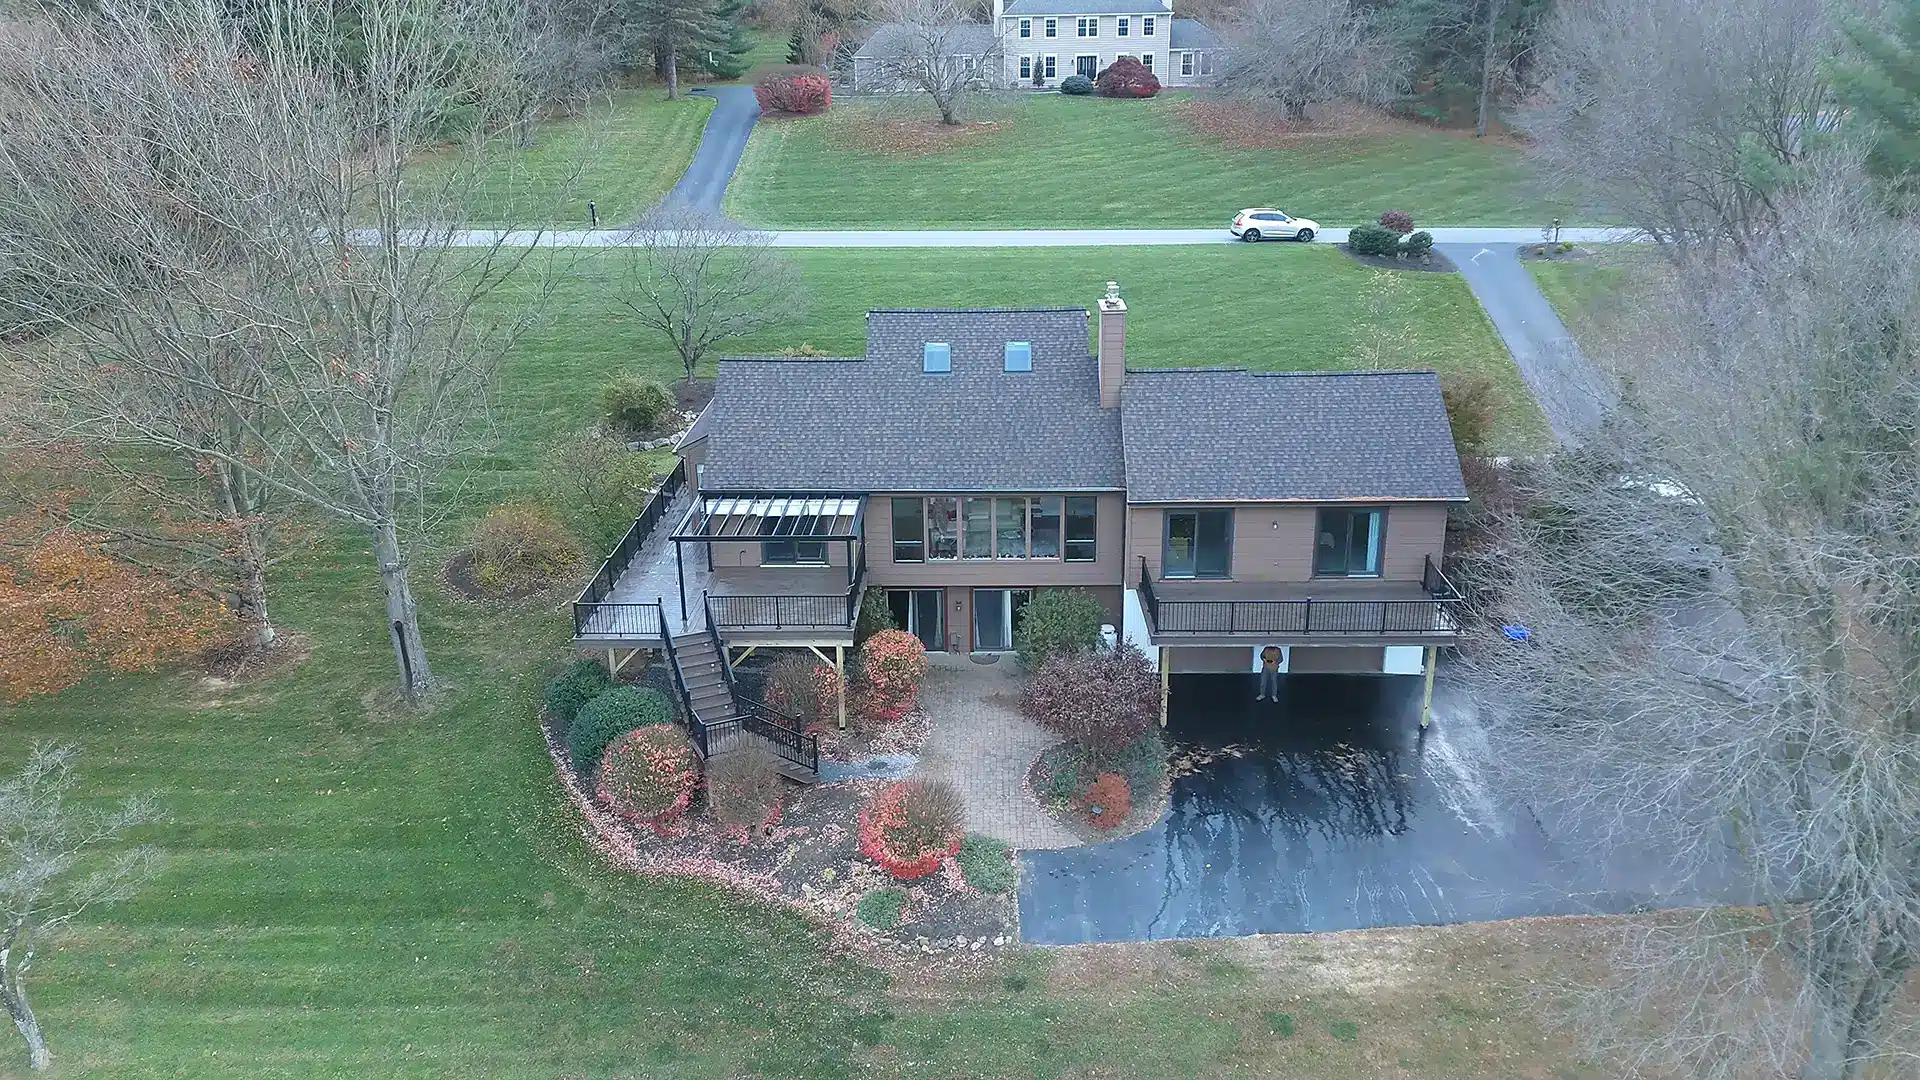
729 61
1881 90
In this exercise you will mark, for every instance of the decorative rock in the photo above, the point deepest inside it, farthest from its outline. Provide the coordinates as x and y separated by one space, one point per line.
976 945
960 941
999 941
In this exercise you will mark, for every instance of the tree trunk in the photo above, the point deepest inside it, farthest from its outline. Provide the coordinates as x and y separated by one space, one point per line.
13 994
403 620
1486 67
250 591
672 62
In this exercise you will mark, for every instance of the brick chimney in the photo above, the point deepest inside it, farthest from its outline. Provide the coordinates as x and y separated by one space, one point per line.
1112 352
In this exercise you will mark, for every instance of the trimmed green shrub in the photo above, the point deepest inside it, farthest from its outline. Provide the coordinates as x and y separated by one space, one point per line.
1076 84
1057 621
635 406
881 908
1419 243
986 863
570 690
874 616
611 715
1373 240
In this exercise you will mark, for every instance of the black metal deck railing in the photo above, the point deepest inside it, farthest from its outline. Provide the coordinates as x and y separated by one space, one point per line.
593 614
1431 615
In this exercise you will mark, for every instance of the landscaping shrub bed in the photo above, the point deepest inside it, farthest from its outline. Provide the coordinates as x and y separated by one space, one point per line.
1130 788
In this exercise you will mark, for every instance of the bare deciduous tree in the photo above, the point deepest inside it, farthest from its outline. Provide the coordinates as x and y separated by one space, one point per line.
1723 590
53 870
1302 53
1681 116
698 279
341 344
940 48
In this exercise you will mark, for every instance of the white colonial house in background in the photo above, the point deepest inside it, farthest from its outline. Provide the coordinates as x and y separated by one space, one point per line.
1044 41
1041 42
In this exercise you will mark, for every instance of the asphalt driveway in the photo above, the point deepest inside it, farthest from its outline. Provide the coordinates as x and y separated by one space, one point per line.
704 184
1336 815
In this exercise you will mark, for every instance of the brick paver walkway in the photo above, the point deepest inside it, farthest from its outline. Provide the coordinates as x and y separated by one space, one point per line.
982 746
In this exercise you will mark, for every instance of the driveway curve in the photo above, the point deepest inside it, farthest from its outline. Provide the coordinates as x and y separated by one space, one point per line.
704 185
1569 389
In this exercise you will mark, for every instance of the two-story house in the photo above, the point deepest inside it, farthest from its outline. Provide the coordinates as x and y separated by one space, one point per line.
1044 41
972 457
1037 43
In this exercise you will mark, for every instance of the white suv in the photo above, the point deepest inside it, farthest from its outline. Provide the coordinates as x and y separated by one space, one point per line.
1266 223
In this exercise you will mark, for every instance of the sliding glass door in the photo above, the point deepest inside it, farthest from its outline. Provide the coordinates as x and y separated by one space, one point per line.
1347 543
1199 543
920 612
996 616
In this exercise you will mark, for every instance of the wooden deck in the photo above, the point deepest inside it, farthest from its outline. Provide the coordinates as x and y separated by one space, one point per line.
1324 611
790 605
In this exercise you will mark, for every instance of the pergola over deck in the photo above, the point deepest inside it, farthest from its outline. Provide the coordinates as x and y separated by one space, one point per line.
807 521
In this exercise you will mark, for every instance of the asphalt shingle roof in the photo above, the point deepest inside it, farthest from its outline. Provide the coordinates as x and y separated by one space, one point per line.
1191 34
1233 435
881 424
1089 7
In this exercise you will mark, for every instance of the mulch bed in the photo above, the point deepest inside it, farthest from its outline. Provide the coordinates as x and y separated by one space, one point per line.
862 742
809 861
1552 252
460 577
1148 803
692 396
1432 262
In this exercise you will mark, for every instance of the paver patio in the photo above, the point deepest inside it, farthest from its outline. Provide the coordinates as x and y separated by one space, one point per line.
982 746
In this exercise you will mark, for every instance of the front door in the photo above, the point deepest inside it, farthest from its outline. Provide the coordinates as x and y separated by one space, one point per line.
919 612
1087 65
996 616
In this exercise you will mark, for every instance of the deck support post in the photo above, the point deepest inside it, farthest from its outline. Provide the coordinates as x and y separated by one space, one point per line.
613 669
1426 703
1165 686
840 681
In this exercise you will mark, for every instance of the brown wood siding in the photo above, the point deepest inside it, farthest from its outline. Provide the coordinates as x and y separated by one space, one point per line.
747 553
695 455
986 573
1274 541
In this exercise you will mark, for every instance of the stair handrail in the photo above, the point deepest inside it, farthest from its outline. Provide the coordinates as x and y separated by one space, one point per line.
680 683
782 729
719 647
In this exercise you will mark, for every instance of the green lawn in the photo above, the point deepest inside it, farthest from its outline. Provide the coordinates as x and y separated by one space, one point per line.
1062 161
622 154
353 891
1581 288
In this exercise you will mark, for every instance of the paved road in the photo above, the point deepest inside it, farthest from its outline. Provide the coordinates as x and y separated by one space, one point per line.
917 238
704 184
1568 388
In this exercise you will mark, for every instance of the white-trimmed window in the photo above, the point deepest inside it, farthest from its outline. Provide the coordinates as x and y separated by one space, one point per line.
1146 61
1048 66
1050 28
1088 27
1186 63
1026 28
1146 26
1121 26
1026 67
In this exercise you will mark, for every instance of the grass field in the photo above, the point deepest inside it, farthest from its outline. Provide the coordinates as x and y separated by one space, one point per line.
1581 288
623 154
1306 308
1060 161
350 890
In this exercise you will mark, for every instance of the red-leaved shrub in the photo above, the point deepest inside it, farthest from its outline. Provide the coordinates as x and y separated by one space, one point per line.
912 826
803 95
1108 800
648 775
892 664
1101 701
1128 78
1398 222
